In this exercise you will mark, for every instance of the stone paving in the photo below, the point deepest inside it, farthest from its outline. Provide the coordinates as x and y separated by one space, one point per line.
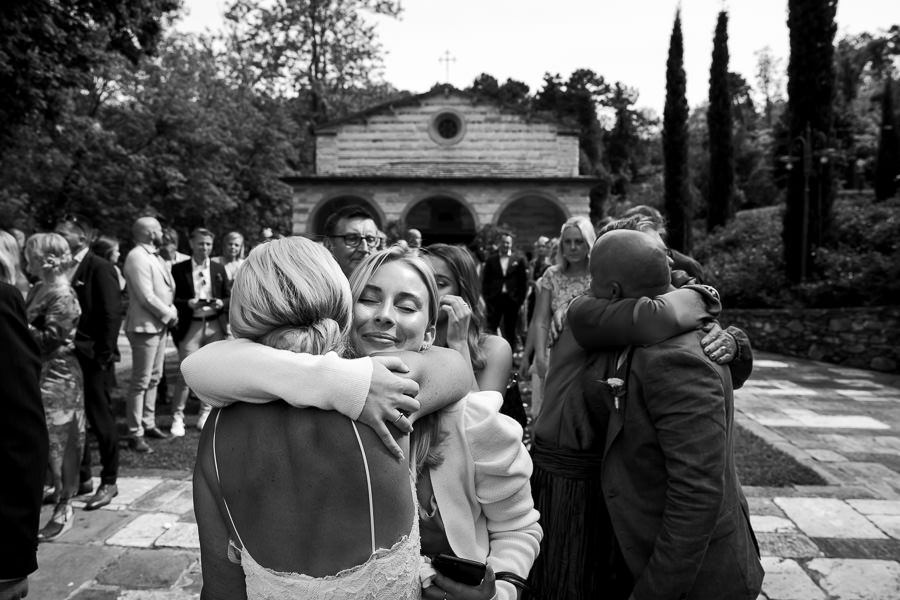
840 541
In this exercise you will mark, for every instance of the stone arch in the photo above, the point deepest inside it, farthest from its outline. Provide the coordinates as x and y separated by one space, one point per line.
442 217
327 206
529 215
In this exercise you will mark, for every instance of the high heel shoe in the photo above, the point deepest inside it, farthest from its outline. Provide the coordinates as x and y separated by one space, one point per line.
59 523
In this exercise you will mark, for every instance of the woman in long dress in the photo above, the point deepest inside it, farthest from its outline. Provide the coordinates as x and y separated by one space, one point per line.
52 310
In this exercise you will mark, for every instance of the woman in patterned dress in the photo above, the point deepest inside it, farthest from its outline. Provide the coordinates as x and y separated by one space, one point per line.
52 310
568 278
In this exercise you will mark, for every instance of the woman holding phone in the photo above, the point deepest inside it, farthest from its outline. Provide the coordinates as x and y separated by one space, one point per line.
472 471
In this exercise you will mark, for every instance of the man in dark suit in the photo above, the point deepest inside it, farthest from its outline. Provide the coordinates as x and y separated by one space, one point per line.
679 514
96 285
23 446
201 298
504 285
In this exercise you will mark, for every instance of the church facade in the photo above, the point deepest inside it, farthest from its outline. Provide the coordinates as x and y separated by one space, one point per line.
446 163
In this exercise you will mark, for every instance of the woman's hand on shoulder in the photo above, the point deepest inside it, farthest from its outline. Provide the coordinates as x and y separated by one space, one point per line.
390 399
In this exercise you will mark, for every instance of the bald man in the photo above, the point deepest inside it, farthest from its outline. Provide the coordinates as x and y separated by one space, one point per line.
570 432
150 313
676 506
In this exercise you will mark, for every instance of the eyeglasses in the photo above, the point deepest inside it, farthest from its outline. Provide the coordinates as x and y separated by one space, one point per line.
352 240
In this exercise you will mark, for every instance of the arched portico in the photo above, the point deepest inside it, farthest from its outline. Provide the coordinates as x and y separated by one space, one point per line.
442 218
530 215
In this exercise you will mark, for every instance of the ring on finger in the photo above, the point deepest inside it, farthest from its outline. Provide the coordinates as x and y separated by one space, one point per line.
400 416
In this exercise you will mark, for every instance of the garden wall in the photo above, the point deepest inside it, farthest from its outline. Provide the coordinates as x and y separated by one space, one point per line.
867 337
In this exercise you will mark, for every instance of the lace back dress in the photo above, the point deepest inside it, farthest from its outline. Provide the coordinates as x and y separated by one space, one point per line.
389 573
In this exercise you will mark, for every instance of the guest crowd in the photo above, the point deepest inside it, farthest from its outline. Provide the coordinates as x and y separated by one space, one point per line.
414 470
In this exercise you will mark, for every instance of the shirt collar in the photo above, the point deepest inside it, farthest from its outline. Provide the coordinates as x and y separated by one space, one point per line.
79 256
149 248
203 265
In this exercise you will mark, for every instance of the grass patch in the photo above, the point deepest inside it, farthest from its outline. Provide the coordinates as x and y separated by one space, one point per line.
761 464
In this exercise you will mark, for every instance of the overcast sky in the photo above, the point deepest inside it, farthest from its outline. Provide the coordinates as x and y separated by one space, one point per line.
622 40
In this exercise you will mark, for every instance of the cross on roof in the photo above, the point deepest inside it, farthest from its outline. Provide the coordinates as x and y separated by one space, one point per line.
447 58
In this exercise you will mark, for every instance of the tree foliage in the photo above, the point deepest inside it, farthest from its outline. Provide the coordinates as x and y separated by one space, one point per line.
49 47
720 202
675 145
887 166
811 92
327 52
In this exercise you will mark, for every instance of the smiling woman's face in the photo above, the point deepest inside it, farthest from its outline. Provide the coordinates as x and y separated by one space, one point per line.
391 313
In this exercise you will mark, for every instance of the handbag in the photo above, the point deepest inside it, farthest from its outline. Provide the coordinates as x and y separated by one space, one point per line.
512 402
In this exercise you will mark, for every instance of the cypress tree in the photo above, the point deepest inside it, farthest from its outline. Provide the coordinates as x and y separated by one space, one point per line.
887 166
811 89
675 145
720 203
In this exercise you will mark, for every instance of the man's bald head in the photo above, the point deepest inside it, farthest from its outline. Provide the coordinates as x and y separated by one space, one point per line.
629 264
145 230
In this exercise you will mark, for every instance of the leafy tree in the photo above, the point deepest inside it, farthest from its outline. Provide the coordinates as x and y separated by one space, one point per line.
811 90
512 93
326 51
576 100
720 202
675 145
769 81
622 142
48 47
887 167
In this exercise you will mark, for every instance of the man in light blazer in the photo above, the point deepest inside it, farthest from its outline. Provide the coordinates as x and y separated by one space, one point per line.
201 298
680 518
150 313
504 285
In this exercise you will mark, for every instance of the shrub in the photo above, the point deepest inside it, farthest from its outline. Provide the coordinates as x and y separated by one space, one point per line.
860 265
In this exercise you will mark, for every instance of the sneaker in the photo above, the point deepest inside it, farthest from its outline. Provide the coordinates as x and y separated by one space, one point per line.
59 523
177 429
201 420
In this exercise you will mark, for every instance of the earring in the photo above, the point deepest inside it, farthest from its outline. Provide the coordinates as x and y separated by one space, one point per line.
425 346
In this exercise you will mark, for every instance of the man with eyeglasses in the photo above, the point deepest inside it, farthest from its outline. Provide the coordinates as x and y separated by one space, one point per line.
351 235
96 285
201 297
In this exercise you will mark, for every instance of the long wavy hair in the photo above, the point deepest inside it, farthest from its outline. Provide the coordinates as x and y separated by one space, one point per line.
583 225
465 274
428 435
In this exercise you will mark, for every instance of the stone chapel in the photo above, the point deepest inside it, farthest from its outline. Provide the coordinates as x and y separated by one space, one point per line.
446 163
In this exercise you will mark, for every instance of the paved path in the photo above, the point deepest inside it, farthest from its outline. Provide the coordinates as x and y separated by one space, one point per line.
840 541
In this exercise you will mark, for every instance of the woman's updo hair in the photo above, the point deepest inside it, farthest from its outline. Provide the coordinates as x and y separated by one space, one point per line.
48 253
291 294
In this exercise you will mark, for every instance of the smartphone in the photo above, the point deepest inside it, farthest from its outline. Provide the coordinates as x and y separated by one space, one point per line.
468 572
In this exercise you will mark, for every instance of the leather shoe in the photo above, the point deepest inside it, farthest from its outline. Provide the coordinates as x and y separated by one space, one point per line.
138 444
105 493
85 487
157 433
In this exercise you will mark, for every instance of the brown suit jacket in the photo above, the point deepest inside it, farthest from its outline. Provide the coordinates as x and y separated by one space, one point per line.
669 479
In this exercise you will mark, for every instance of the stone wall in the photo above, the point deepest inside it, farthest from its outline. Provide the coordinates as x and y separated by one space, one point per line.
867 338
493 142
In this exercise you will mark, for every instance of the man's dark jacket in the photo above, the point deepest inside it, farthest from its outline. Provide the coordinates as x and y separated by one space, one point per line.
23 439
515 279
183 275
96 285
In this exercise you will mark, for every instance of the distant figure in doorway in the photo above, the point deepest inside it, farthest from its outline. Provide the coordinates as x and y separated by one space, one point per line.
504 284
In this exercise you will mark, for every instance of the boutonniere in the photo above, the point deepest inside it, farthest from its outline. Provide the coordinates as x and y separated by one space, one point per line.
617 387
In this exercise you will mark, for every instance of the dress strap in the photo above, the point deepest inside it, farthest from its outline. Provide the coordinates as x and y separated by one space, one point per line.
219 480
368 485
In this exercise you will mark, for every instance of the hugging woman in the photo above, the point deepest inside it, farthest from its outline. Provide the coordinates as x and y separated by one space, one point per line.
472 472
